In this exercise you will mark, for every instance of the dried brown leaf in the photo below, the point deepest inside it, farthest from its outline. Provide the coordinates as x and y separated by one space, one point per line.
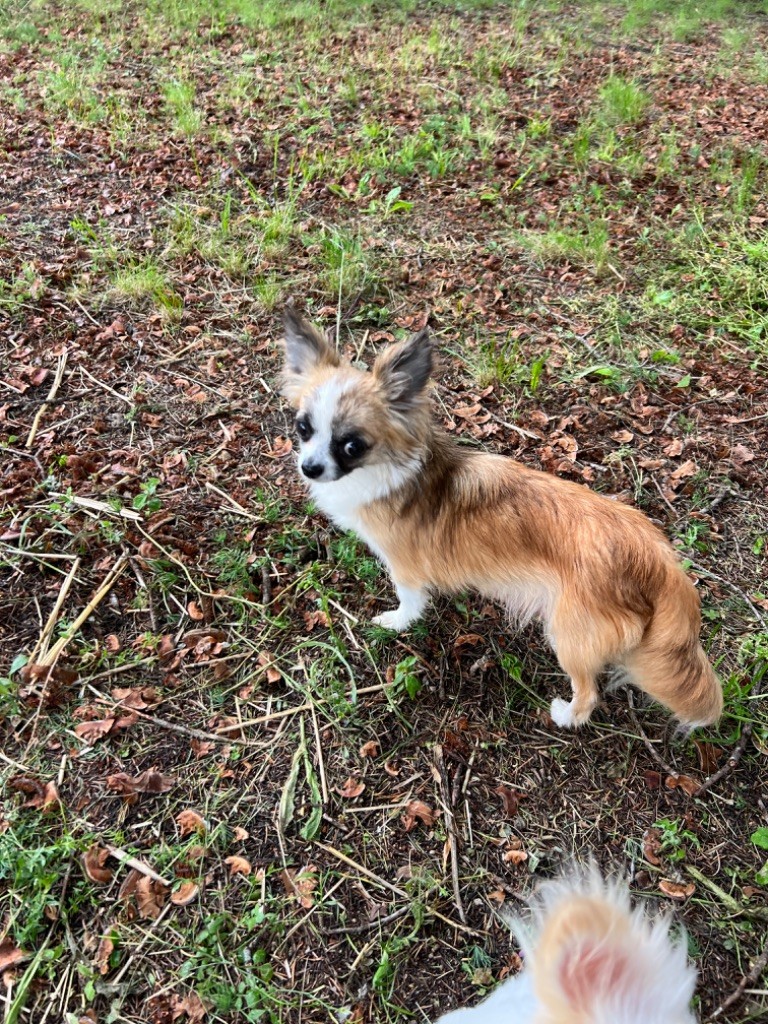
150 897
673 448
352 788
267 662
185 894
190 1005
415 811
709 756
301 884
201 748
128 887
10 955
468 639
741 455
91 732
684 782
510 799
652 846
652 778
94 859
150 781
190 821
676 890
103 953
42 796
238 865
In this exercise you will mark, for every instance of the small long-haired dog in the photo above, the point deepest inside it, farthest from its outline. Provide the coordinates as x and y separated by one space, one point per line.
603 580
590 959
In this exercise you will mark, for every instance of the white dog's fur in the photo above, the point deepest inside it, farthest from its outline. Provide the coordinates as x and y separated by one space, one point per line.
590 959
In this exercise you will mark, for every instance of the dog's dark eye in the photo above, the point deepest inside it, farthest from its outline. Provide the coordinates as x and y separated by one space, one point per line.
354 447
304 429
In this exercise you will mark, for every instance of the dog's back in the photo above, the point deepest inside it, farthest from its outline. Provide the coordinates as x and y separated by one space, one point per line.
591 959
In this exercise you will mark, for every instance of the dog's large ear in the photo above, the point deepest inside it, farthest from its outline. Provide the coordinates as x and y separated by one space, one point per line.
305 350
402 370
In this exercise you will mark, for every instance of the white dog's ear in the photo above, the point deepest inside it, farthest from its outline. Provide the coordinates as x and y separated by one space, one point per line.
403 370
305 350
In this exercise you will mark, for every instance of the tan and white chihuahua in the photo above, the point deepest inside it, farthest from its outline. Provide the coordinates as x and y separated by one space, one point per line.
605 582
590 959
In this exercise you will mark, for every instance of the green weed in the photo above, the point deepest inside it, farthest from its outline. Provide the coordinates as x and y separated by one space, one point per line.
146 279
179 98
725 282
587 247
622 102
675 838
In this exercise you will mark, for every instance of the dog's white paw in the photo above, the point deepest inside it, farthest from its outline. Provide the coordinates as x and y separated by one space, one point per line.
391 620
561 712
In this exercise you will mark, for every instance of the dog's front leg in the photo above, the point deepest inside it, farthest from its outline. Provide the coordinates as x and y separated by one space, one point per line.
413 601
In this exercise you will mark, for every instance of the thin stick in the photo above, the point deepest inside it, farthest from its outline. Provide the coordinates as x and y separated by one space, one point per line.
644 737
511 426
303 921
235 506
320 761
363 870
358 929
93 505
450 825
300 707
138 865
393 888
749 979
42 641
746 729
52 656
730 764
183 730
16 764
51 395
266 586
106 387
153 925
79 303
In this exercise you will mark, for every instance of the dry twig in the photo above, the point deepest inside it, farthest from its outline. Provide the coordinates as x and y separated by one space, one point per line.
49 398
450 825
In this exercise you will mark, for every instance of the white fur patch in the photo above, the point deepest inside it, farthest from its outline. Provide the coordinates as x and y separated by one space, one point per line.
513 1002
526 601
411 607
562 713
322 409
342 499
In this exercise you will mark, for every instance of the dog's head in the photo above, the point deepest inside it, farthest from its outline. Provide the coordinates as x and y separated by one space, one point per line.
348 419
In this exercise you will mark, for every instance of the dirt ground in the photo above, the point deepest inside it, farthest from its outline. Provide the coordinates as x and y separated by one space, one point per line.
227 796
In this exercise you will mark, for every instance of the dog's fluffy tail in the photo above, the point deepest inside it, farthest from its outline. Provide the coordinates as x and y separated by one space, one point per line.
592 958
670 663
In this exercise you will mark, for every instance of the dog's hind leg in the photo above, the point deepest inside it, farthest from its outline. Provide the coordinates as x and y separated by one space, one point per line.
577 711
582 663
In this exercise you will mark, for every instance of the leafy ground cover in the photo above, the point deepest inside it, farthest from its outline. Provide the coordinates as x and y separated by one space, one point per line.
226 796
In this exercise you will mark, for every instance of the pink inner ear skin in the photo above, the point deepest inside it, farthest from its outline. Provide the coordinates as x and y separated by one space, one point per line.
591 971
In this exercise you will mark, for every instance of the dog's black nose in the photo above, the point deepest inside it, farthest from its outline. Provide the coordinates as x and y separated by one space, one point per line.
312 469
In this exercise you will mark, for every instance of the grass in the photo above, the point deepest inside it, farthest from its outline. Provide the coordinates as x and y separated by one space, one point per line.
725 284
584 248
622 102
545 183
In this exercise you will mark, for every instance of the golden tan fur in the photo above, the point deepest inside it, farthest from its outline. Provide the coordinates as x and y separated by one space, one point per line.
601 577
